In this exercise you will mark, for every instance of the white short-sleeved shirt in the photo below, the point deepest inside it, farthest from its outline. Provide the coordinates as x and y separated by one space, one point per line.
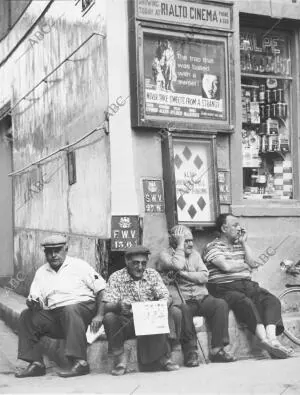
75 282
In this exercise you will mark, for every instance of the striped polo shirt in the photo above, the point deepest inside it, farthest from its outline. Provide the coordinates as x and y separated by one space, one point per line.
231 252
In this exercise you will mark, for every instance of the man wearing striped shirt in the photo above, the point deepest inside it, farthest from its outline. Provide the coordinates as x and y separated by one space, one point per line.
230 262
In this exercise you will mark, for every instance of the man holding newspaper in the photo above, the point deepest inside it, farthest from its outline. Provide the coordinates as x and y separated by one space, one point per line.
136 283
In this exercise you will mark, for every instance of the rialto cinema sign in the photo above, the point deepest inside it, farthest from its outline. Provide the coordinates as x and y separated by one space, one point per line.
198 14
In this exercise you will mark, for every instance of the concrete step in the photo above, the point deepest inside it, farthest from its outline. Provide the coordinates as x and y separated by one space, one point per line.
243 343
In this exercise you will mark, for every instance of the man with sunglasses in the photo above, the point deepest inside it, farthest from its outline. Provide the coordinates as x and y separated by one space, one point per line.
134 283
65 297
186 275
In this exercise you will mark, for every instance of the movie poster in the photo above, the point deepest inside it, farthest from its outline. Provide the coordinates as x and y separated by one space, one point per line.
184 78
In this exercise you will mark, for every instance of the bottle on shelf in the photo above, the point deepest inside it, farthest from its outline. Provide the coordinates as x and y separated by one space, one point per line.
262 93
261 183
268 66
243 61
249 68
261 67
254 64
277 65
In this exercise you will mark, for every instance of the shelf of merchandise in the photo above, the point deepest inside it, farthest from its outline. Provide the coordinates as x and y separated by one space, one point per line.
265 76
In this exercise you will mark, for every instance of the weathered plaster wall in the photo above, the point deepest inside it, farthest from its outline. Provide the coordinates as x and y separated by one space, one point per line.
147 164
69 104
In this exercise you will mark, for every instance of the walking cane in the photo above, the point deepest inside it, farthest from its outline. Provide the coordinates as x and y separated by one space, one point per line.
184 302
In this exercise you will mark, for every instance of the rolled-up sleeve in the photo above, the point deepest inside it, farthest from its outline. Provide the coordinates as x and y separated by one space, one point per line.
93 280
211 252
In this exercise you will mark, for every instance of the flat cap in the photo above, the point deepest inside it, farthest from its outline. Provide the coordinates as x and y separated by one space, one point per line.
137 250
54 241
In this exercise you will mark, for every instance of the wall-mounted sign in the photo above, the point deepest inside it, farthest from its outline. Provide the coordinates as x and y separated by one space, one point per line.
195 181
224 186
200 14
265 52
184 79
125 232
154 201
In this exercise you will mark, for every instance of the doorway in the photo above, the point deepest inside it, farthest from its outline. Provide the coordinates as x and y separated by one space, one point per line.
6 198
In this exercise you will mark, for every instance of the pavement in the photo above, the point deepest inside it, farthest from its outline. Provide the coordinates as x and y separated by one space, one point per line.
242 377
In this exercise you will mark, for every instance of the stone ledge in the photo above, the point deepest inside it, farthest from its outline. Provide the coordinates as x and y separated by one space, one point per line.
243 344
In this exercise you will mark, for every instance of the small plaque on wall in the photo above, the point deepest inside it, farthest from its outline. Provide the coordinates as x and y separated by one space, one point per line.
224 186
154 201
125 232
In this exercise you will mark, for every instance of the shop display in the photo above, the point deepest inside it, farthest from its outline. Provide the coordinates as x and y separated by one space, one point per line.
267 166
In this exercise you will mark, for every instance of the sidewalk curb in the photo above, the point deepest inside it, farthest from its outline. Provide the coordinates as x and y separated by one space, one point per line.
243 344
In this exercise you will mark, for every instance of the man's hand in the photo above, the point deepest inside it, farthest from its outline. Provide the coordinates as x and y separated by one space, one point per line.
34 303
125 308
180 237
96 323
244 236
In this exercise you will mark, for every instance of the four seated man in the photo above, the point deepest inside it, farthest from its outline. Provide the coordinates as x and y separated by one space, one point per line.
67 295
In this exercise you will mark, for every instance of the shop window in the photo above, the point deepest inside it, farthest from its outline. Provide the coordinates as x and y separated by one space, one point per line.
266 80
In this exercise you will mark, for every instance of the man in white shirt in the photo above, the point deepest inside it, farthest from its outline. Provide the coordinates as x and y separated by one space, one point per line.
65 297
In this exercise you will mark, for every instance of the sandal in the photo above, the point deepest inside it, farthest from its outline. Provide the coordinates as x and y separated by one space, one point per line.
276 350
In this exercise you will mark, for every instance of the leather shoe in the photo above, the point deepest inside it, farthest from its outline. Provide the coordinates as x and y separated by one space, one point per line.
77 370
32 370
167 364
120 364
191 360
222 356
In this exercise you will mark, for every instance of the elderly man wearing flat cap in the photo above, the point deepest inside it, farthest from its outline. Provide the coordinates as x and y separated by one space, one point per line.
134 283
65 297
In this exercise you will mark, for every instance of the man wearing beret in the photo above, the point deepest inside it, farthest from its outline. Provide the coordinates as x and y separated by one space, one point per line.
65 297
134 283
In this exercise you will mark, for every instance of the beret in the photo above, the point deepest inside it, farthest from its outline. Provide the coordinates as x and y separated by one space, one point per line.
54 241
137 250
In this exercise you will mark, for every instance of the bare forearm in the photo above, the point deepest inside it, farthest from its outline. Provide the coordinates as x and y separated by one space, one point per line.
249 258
234 267
99 303
231 266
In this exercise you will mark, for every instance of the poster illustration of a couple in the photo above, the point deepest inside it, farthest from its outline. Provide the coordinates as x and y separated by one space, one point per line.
164 66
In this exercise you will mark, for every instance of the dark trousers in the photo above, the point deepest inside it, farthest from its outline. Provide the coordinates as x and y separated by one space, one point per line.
119 328
215 312
250 303
69 323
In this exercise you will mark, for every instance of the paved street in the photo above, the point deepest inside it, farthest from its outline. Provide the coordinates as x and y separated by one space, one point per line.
243 377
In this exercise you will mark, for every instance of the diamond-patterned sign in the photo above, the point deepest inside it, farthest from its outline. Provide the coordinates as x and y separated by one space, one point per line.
192 211
177 161
187 153
181 202
201 203
192 173
198 162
